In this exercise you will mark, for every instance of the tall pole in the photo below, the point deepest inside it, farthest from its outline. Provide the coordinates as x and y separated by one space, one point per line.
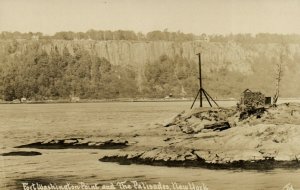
200 79
201 90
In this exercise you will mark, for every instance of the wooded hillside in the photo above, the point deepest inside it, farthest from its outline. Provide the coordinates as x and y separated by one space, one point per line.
136 65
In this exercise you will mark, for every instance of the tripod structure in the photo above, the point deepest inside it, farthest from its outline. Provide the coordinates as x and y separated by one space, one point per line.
201 89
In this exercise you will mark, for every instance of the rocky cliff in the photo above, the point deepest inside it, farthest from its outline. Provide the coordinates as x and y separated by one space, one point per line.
257 60
234 56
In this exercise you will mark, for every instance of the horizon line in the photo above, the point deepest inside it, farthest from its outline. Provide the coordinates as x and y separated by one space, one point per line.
210 34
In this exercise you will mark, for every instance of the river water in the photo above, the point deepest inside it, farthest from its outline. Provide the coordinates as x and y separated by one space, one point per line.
26 123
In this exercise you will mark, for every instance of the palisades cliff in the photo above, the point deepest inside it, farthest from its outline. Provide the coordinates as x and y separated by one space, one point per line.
56 68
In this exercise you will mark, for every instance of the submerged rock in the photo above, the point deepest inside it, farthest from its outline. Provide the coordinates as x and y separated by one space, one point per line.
22 153
78 143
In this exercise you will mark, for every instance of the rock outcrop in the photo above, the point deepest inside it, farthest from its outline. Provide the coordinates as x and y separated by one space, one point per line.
220 138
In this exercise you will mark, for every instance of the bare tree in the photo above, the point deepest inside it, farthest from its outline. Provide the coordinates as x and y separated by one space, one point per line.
278 79
279 72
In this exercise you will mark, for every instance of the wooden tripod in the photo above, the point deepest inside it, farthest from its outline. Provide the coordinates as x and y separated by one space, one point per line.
201 90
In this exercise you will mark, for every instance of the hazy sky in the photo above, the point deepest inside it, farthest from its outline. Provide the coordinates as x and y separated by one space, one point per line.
196 16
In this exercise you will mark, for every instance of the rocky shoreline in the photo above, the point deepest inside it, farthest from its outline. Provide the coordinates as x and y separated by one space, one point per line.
214 138
222 138
266 164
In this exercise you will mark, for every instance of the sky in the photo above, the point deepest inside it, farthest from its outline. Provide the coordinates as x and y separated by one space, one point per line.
188 16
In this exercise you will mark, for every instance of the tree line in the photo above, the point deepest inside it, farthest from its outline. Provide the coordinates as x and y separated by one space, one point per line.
102 35
38 75
154 36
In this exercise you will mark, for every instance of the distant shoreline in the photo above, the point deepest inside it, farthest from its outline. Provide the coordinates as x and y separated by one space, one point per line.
120 100
107 100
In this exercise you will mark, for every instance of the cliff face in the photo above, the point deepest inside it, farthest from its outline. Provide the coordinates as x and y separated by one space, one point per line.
259 61
232 56
215 55
251 59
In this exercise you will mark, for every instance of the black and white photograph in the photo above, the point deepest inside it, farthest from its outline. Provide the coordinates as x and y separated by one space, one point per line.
149 94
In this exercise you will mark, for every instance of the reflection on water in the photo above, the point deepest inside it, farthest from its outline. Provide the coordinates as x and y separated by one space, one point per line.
21 124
